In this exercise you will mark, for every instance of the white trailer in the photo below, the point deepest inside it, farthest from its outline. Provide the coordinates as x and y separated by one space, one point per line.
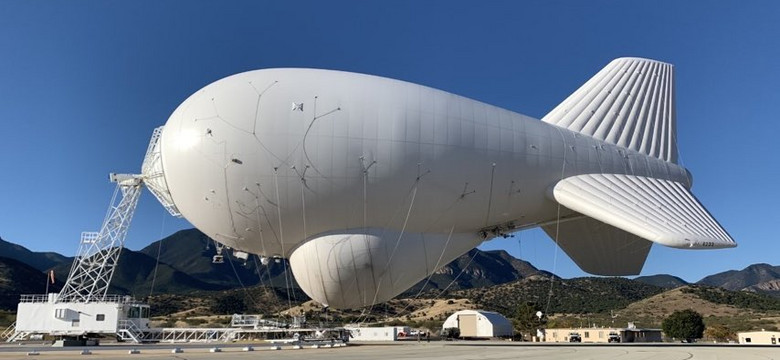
113 314
387 333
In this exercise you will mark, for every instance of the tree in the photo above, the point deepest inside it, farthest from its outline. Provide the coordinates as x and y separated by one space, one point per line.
684 324
228 304
527 319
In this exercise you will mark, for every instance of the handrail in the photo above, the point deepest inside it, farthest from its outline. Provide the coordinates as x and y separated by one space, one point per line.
131 329
111 298
8 332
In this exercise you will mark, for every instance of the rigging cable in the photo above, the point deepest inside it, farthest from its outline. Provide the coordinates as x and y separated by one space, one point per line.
302 177
487 218
490 193
281 235
365 229
460 273
238 278
159 249
557 228
397 242
428 279
446 244
260 277
444 249
262 246
265 252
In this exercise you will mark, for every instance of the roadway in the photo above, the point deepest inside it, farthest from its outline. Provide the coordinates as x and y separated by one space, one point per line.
461 350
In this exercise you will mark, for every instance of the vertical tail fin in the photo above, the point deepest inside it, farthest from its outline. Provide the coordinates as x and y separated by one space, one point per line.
629 103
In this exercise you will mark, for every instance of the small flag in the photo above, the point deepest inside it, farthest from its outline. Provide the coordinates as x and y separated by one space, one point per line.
51 275
297 106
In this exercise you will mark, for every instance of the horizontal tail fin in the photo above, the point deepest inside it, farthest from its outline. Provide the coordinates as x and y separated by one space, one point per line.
662 211
629 103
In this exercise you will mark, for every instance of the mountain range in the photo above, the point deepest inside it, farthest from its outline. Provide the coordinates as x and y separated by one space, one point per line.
39 260
758 278
662 280
182 263
18 278
762 278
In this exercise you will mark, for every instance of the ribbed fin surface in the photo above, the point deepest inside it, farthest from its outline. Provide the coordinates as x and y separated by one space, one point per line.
661 211
629 103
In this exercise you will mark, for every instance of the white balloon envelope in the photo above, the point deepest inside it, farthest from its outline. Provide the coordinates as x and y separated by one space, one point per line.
370 184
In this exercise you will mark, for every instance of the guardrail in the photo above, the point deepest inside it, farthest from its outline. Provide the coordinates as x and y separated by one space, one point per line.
42 298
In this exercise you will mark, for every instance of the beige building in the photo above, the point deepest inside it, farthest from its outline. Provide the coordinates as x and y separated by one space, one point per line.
601 335
759 337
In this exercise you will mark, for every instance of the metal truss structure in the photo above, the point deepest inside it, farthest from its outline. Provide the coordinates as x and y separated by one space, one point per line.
98 253
153 175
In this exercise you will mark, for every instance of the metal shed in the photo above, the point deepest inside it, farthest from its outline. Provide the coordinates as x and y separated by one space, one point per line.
479 324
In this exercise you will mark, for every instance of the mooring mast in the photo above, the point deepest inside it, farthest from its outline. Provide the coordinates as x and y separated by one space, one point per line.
83 306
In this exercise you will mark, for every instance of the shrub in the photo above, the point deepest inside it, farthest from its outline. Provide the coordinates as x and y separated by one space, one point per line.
684 325
451 333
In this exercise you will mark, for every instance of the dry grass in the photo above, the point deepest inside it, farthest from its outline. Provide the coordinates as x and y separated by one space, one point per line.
662 305
397 309
650 312
439 309
196 311
308 306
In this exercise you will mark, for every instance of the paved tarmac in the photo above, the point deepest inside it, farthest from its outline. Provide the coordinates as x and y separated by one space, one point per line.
412 350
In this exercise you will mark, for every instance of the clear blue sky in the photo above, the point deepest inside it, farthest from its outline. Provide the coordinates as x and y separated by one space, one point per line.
83 83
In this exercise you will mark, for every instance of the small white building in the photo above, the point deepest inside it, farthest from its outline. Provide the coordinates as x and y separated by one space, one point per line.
387 333
759 337
479 324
